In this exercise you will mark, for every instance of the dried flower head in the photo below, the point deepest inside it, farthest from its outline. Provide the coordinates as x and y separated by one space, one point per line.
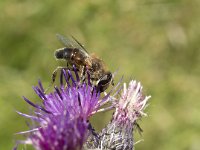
128 109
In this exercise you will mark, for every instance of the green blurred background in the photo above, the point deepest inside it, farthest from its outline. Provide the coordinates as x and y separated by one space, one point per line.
153 41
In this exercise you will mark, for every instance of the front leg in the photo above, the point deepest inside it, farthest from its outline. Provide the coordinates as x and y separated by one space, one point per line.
53 76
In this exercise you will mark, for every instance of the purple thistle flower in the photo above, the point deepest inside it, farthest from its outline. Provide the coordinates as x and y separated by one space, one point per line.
128 109
62 117
78 99
61 133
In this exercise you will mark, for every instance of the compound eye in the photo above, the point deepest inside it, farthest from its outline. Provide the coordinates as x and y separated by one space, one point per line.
104 82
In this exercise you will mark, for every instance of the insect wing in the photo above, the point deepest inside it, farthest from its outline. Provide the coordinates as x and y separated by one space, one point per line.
77 42
71 43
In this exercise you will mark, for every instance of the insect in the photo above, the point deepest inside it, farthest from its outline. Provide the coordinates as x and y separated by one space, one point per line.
75 54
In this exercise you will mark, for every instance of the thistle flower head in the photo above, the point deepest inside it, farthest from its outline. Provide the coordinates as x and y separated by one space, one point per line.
131 104
62 117
118 134
79 99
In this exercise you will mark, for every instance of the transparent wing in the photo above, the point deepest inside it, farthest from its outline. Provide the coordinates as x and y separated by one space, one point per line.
71 42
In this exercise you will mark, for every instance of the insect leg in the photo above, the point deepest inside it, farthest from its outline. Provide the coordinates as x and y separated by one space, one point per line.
83 73
54 74
53 77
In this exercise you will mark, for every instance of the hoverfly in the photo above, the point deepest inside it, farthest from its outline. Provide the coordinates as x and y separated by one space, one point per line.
75 54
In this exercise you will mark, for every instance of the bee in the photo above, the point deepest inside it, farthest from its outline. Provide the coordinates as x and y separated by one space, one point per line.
75 54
